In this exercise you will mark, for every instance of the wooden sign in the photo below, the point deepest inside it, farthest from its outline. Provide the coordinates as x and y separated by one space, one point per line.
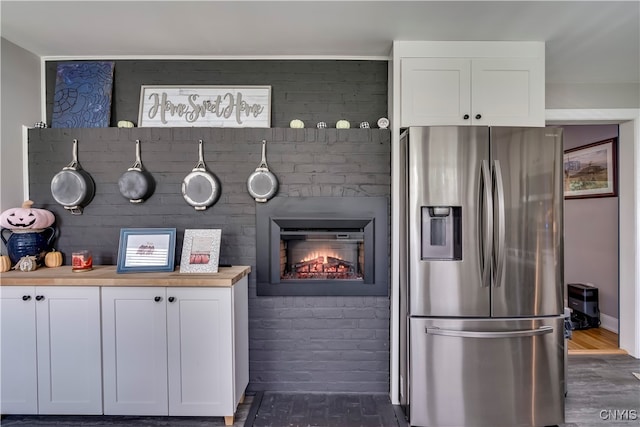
205 106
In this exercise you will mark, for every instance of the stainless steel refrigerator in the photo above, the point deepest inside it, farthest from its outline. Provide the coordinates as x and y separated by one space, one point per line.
482 338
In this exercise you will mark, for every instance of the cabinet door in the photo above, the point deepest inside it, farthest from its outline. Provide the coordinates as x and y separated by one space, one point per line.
19 385
69 357
508 92
134 351
200 351
435 91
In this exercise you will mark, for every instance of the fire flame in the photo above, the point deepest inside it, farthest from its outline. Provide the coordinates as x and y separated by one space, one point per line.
317 254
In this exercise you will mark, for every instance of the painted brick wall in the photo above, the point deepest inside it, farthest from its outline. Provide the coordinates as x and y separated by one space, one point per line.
338 344
312 91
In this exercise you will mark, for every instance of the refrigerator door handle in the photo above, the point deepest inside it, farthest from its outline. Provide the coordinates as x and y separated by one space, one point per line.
485 224
500 234
543 330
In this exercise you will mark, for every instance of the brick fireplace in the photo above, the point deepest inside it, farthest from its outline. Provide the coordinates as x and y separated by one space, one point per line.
322 246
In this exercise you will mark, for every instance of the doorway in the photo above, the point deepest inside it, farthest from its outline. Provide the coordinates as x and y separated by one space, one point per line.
591 237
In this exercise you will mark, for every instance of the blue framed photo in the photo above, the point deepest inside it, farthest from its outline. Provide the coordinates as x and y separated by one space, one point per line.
146 249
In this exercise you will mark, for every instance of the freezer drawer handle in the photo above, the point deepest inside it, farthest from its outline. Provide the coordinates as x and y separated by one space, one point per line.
497 334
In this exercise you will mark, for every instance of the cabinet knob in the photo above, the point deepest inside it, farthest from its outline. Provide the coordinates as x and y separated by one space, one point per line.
172 299
26 297
157 299
478 116
39 297
466 117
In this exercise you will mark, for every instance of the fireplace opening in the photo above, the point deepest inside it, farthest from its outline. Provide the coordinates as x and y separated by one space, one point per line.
321 255
322 246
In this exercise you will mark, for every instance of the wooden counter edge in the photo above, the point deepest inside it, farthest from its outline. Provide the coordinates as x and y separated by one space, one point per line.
107 276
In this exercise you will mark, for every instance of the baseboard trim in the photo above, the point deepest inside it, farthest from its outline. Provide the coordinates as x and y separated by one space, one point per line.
609 323
596 352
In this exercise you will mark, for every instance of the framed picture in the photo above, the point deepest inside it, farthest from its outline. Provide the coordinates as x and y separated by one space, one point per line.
591 170
83 94
208 106
200 251
146 249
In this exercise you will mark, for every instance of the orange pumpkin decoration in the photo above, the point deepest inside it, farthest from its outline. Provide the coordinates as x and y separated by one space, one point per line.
53 259
5 263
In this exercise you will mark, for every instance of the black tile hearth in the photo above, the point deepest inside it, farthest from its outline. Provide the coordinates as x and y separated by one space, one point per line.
327 410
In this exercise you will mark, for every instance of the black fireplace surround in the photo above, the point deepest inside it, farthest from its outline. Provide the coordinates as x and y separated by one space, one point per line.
346 240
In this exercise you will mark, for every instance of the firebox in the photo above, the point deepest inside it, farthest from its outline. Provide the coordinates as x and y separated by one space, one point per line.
322 246
323 249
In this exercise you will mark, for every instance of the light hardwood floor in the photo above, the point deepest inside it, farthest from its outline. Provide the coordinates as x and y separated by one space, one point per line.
594 341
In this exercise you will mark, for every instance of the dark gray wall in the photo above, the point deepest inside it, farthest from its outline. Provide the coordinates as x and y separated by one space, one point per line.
311 91
324 343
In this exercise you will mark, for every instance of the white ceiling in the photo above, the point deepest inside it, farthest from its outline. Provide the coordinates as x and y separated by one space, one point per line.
586 41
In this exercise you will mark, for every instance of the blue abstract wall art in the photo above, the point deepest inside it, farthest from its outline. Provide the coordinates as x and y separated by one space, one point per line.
82 96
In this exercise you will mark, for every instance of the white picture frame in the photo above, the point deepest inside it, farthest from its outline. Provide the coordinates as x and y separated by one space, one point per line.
200 251
205 106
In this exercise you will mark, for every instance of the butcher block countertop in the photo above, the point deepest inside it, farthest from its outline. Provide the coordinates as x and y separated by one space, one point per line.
105 275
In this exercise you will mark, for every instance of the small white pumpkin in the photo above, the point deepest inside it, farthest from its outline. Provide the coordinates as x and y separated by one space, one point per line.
343 124
27 263
296 124
125 124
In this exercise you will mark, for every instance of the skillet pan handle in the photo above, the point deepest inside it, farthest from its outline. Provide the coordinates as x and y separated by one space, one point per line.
74 162
137 166
200 165
75 210
263 163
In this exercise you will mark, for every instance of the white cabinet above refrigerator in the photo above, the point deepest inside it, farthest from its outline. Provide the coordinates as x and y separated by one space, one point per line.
471 83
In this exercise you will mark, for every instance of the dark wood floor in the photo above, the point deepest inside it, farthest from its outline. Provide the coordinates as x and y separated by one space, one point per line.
600 387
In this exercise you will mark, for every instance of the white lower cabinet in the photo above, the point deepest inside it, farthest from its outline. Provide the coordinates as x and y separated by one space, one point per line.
51 351
176 350
18 366
200 352
134 358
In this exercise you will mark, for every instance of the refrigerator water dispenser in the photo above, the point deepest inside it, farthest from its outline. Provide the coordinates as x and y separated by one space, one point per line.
441 233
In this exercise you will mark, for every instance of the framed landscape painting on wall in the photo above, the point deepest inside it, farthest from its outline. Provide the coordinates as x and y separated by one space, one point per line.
591 170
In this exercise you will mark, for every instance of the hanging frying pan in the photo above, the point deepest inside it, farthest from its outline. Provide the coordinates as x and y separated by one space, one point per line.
136 184
73 187
200 188
262 183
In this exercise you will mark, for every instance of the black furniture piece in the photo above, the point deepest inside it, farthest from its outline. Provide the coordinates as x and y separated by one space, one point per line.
583 301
